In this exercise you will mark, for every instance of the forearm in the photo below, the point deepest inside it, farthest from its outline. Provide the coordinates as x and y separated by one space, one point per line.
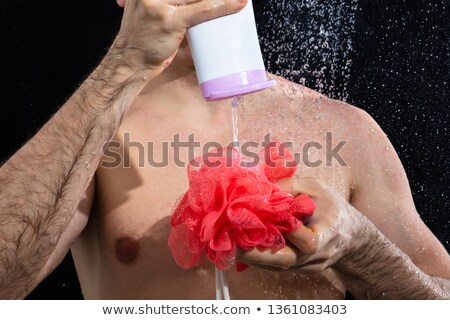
377 269
41 185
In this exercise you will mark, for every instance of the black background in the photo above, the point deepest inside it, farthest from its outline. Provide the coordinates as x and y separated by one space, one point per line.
400 74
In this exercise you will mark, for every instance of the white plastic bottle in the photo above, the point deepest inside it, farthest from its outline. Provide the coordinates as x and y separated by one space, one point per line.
227 56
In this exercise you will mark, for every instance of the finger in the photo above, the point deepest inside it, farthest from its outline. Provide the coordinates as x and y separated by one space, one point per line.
304 239
284 259
201 11
306 185
316 266
121 3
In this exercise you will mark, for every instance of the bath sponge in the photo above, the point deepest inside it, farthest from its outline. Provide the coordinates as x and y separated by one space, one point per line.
232 204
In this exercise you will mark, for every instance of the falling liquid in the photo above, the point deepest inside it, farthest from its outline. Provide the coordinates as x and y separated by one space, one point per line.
222 290
234 111
309 42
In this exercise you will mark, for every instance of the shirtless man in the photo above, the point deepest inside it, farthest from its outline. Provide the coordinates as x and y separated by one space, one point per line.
122 253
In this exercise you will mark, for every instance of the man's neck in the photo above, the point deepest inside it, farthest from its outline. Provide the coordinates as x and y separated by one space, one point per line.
177 87
178 83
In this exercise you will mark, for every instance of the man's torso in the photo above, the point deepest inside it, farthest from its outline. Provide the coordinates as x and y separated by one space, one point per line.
123 252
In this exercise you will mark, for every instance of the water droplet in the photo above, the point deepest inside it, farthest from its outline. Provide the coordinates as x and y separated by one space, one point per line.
322 38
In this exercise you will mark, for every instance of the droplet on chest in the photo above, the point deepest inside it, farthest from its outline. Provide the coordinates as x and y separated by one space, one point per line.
127 250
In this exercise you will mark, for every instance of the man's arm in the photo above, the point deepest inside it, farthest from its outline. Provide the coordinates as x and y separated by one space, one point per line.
398 248
339 236
382 193
377 269
41 185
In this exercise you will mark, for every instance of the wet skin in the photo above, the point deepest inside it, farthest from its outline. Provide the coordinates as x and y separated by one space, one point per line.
123 252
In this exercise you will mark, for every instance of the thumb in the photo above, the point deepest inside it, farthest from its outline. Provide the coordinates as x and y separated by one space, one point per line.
121 3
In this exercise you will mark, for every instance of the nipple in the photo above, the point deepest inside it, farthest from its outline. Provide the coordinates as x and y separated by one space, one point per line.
127 250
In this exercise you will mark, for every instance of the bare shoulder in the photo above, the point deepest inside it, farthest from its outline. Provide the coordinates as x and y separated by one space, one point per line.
289 98
327 127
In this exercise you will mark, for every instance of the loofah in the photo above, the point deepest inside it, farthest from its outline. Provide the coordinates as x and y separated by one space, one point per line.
230 206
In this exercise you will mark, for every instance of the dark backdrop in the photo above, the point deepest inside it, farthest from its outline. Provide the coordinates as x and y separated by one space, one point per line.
396 68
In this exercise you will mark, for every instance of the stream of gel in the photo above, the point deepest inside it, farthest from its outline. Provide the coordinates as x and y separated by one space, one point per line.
234 111
222 290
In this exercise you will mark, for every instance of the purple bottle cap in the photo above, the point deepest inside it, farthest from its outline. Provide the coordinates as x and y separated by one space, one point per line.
235 85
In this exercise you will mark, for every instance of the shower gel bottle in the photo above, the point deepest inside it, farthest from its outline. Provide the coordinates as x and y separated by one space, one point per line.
227 56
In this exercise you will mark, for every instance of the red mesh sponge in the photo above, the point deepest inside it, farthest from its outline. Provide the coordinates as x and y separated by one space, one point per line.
229 206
